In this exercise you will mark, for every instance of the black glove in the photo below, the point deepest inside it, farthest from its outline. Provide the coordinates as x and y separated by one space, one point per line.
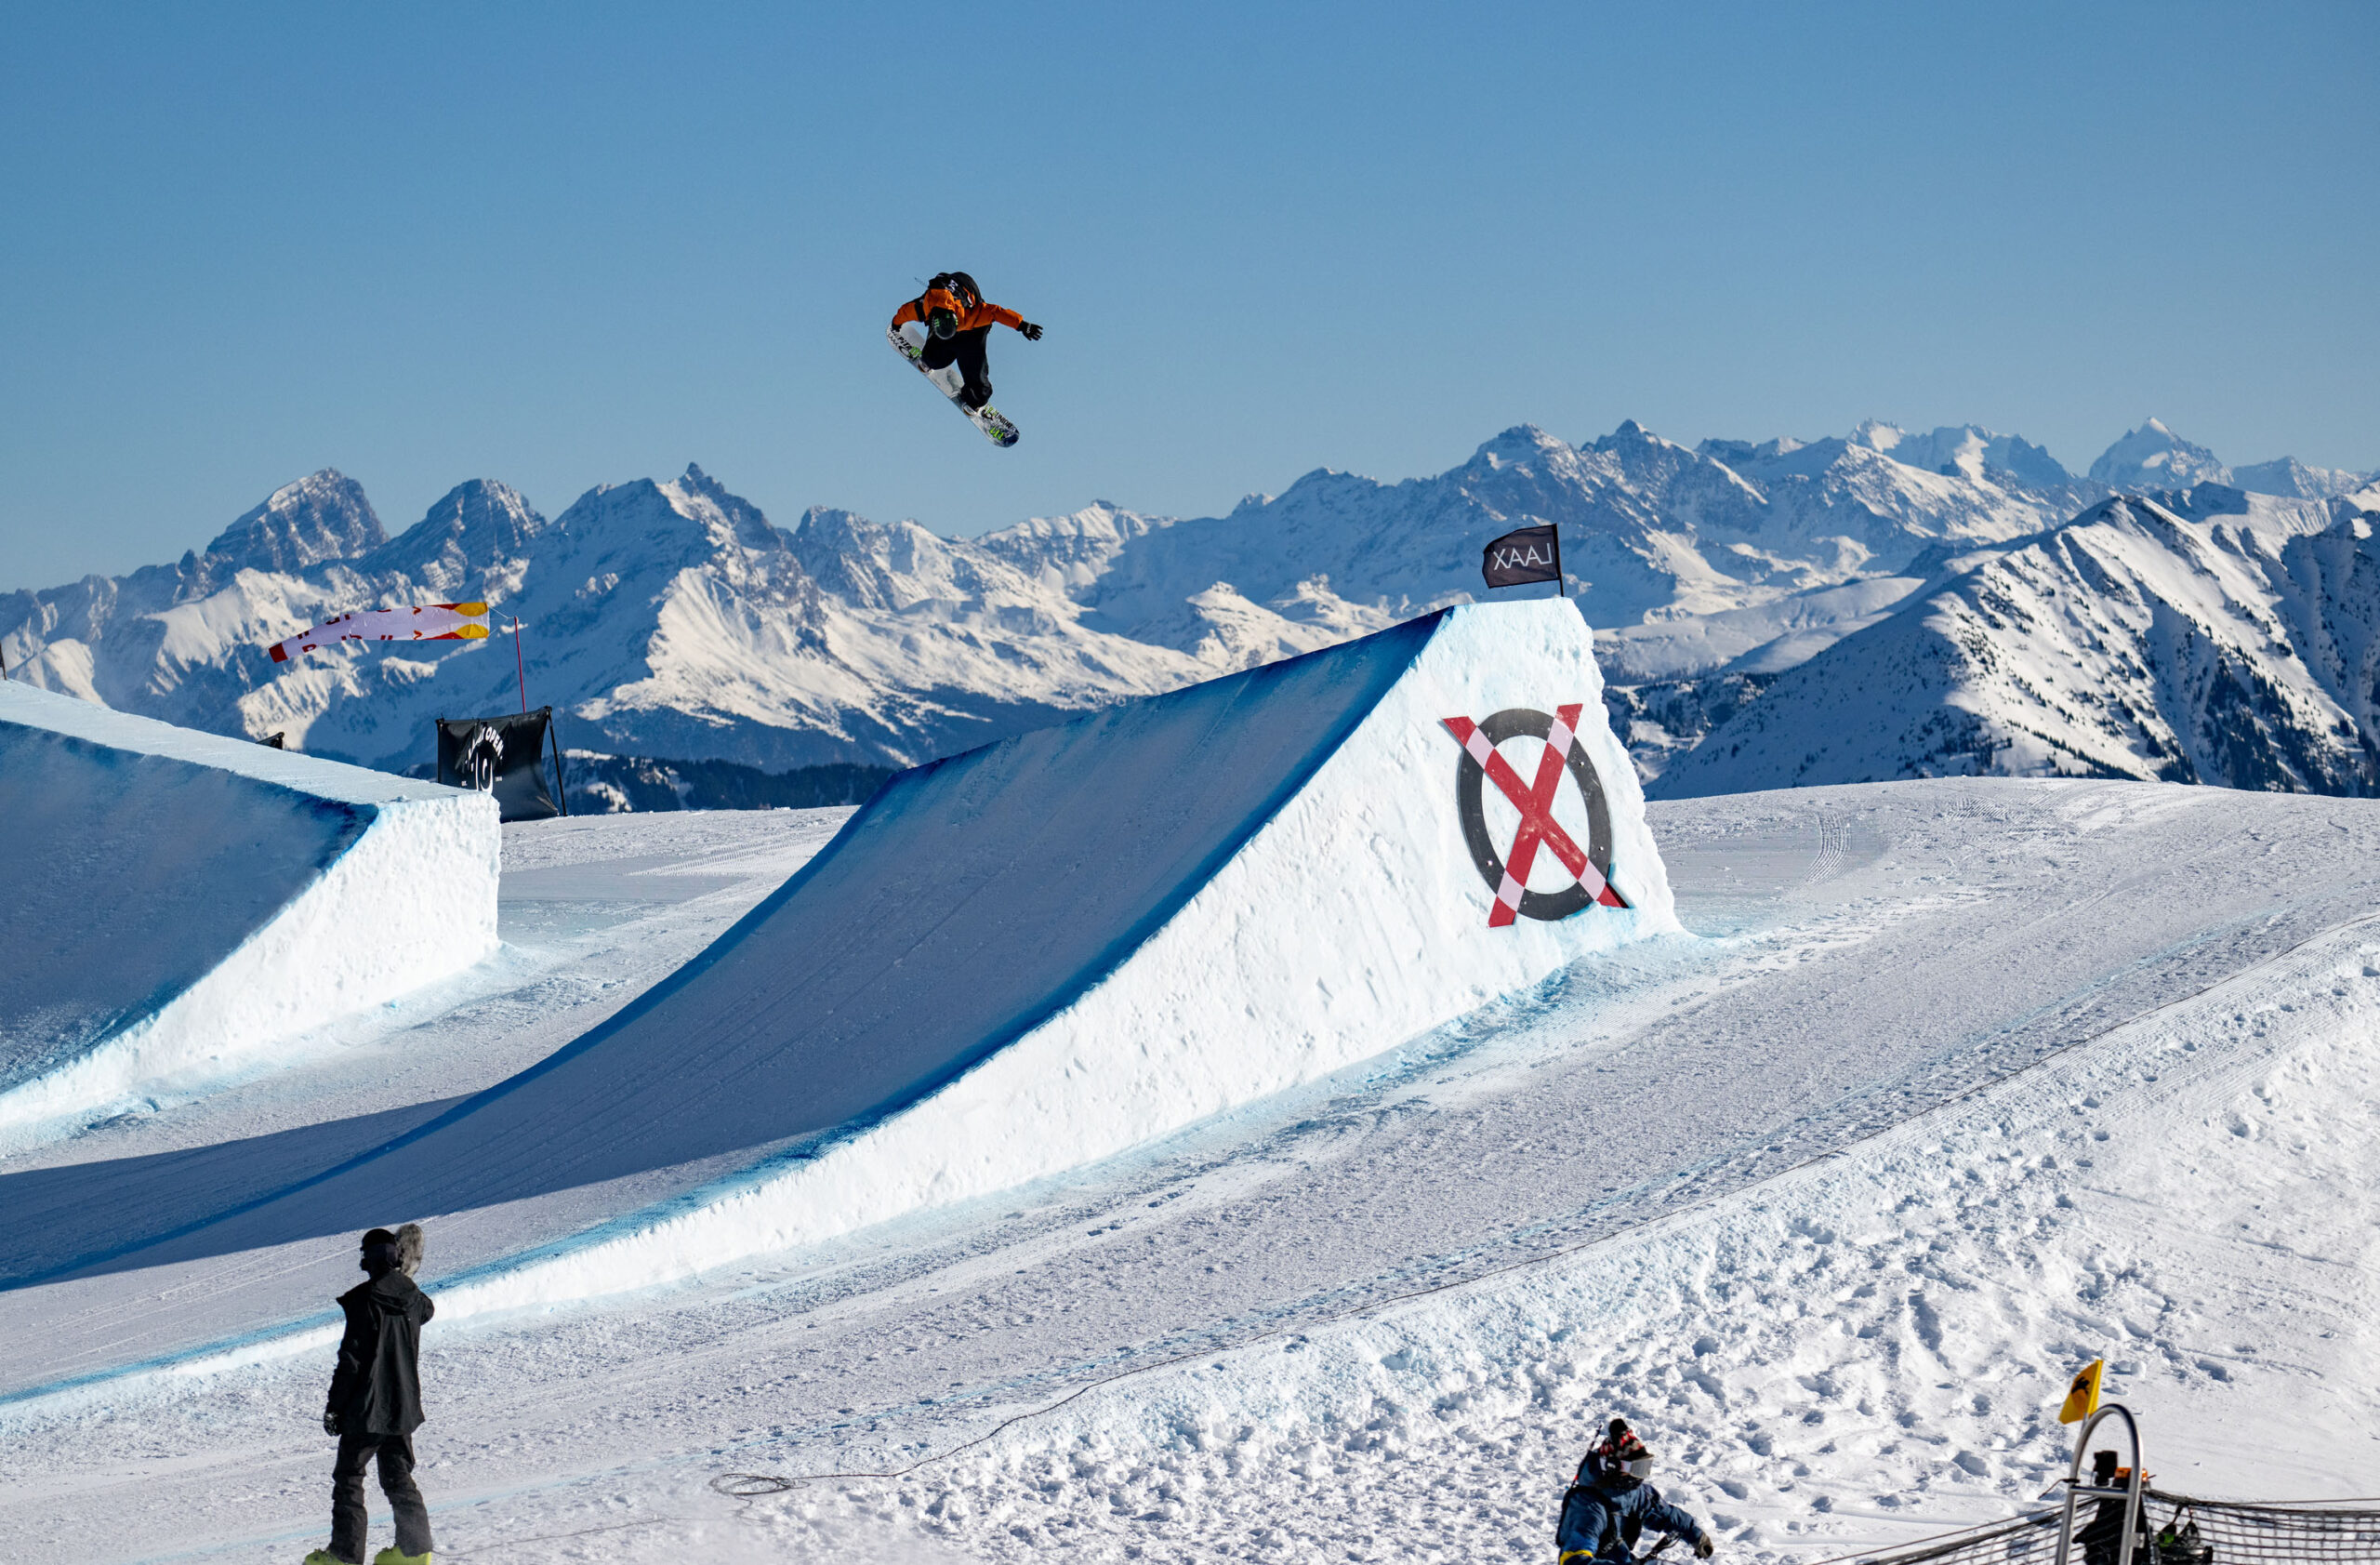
1032 333
1702 1546
330 1422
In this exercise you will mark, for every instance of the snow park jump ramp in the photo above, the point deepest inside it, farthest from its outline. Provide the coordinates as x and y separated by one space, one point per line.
1009 962
174 906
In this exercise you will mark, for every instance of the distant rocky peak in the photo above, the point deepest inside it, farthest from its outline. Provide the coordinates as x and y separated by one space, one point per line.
2288 476
2153 457
687 521
1100 525
825 535
1964 451
1954 451
1520 445
2136 510
699 495
322 516
1640 458
475 542
1631 436
475 527
1735 453
827 526
872 564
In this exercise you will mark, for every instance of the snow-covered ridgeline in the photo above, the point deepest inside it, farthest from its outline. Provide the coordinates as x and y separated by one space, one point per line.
2207 636
2153 458
672 619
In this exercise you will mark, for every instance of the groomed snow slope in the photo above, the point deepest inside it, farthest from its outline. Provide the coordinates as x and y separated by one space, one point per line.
1968 1082
1010 962
175 905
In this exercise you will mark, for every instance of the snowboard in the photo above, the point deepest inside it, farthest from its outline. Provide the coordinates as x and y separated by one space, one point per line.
949 382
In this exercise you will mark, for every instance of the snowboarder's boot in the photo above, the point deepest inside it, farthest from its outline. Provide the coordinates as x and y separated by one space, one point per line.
325 1556
390 1557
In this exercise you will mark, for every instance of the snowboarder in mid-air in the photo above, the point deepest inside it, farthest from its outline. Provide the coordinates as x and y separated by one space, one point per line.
942 331
1610 1504
375 1403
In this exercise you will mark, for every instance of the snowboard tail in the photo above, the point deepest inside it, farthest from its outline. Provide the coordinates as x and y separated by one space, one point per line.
950 383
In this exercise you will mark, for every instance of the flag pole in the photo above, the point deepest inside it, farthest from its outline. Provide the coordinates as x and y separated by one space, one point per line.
519 668
1561 582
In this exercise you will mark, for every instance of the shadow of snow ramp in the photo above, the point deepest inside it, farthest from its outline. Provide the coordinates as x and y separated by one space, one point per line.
1034 954
173 905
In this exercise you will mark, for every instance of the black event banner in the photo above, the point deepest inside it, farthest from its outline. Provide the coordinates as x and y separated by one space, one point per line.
501 755
1527 555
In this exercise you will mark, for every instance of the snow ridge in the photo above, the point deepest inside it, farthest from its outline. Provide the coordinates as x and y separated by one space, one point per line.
674 620
2203 636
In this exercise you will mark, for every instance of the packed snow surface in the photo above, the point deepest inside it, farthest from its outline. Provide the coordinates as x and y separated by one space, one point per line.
1009 962
1956 1084
176 907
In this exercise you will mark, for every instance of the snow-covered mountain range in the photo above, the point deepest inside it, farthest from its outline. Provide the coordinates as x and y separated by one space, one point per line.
672 619
2206 635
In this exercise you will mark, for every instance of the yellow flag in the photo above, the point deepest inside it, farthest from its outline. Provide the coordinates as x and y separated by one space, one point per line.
2083 1397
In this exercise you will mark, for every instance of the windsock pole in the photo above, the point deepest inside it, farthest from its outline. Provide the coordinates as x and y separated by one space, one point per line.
519 668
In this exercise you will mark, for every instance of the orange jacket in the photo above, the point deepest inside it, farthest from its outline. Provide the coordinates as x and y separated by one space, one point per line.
969 318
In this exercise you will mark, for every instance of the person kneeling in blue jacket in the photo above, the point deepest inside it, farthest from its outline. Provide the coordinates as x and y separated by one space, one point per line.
1608 1509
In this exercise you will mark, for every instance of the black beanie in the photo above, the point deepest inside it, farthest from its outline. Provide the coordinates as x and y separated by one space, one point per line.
379 1252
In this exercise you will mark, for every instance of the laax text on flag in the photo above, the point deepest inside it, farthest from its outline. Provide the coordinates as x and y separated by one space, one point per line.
1522 556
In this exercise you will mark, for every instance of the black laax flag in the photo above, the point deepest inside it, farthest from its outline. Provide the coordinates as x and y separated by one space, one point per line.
1531 554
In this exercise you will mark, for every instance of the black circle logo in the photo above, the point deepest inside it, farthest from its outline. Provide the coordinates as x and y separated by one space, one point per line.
1537 823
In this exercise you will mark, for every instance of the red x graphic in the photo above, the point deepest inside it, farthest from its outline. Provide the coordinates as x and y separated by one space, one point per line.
1536 805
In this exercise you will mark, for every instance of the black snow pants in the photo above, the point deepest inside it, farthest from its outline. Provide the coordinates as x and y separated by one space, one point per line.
966 350
395 1453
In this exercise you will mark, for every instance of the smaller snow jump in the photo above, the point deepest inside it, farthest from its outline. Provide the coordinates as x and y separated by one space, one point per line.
943 331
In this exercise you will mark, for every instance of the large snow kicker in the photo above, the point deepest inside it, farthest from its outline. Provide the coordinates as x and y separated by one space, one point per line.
175 905
1020 959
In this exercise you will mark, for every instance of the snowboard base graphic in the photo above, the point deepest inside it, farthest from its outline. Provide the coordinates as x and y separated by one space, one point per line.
949 382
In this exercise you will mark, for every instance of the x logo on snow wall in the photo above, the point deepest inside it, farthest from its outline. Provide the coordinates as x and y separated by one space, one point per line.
1507 874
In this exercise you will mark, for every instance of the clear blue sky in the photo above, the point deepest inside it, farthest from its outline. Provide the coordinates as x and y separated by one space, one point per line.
569 244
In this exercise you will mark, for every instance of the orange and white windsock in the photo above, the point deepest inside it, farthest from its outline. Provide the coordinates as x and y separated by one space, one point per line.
425 622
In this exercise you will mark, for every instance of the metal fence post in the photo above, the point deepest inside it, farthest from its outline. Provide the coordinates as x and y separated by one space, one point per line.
2131 1491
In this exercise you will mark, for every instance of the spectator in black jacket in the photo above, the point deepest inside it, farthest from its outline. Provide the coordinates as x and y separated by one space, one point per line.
375 1403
